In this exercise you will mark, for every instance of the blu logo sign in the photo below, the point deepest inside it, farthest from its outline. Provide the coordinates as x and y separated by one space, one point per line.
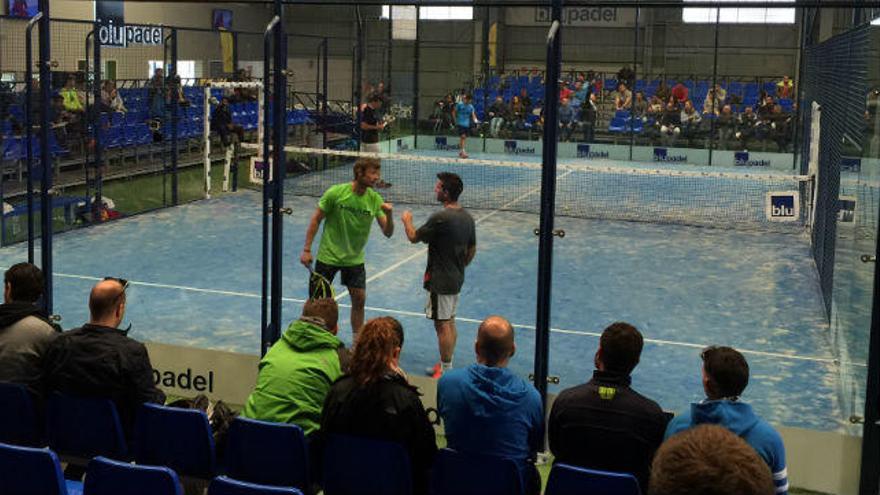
783 206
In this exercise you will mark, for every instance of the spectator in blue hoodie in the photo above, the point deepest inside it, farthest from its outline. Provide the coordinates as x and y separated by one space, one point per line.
725 376
486 409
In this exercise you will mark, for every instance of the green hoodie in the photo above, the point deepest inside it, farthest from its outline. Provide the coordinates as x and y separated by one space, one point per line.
295 376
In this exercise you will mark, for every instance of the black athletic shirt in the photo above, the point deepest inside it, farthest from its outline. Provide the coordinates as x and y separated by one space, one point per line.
449 233
371 135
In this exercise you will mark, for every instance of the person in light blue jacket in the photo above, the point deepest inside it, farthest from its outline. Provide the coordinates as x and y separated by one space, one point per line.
725 376
486 409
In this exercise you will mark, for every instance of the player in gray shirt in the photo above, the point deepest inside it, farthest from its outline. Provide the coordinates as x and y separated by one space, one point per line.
452 244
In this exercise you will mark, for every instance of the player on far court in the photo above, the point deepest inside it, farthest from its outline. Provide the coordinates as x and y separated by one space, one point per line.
452 243
349 209
371 125
464 114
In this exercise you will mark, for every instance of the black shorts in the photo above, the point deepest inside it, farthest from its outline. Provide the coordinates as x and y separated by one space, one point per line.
464 130
353 277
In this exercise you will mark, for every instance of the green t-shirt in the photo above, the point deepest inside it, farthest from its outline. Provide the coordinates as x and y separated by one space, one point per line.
348 218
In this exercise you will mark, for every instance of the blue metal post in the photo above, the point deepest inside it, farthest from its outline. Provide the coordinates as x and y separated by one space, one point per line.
175 118
279 132
45 157
265 331
29 131
96 123
548 201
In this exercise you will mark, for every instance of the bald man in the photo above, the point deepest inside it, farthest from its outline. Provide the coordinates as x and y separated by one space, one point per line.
486 409
100 360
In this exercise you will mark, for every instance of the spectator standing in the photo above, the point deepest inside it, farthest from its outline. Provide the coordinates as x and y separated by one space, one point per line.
589 115
785 88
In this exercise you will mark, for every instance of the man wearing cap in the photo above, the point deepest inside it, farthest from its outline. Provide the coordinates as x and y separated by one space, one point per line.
452 244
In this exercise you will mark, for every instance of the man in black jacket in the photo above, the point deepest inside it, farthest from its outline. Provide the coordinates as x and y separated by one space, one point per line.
221 123
25 331
604 424
100 360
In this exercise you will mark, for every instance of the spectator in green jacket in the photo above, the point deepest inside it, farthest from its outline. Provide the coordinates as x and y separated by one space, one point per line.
297 372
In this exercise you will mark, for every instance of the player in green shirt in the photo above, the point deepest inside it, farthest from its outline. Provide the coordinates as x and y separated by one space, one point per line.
349 209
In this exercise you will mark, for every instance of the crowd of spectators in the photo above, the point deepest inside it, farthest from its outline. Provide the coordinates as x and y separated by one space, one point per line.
658 115
308 378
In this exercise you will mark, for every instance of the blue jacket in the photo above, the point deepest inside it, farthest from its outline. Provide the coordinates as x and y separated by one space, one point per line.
488 410
739 418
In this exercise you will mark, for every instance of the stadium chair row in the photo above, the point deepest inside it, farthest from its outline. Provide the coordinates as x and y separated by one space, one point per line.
15 148
171 442
26 470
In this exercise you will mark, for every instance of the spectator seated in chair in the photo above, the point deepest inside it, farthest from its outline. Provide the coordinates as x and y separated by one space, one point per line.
25 329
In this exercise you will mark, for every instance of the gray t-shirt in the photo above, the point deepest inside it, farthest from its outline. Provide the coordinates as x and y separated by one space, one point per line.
449 234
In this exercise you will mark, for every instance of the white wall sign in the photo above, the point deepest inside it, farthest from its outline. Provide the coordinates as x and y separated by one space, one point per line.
572 16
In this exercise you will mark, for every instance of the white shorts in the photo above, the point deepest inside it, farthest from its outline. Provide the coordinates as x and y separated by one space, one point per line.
441 306
370 147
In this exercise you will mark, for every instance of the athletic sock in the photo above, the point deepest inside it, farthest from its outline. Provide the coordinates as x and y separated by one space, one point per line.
445 366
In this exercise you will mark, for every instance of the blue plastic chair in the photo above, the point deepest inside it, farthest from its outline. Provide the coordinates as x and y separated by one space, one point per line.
355 466
31 471
267 453
573 480
178 438
458 473
84 427
19 423
222 485
618 125
108 477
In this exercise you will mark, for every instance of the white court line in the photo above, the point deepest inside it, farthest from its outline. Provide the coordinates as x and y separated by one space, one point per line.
375 309
422 251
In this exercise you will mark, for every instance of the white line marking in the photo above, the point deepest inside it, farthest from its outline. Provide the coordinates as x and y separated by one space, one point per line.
422 251
817 359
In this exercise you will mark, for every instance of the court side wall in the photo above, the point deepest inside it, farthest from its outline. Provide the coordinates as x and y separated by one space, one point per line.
823 461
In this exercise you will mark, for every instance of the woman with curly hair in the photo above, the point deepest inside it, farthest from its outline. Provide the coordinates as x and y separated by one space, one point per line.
375 400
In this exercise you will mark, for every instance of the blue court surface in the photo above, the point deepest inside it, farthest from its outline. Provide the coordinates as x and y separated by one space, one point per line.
195 273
